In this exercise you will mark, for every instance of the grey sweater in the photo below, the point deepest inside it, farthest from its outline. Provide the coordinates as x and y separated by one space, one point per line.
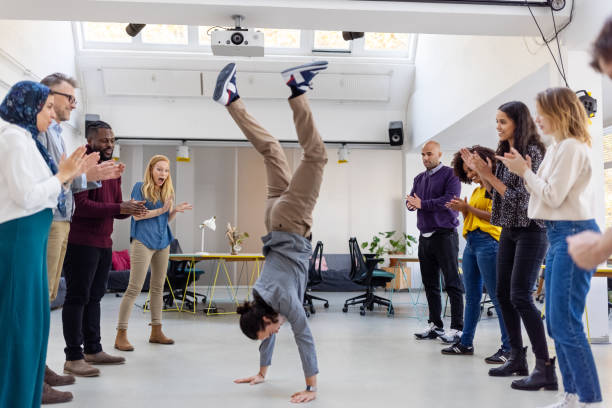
281 285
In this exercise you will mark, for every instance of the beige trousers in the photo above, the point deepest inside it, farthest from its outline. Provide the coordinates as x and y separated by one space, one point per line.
140 259
291 199
56 251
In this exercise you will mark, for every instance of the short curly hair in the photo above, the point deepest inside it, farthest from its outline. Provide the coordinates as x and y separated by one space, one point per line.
457 163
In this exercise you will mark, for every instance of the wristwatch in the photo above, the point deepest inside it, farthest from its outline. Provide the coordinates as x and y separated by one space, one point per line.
311 388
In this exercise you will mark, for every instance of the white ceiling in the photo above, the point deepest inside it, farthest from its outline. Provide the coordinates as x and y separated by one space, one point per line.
347 15
478 127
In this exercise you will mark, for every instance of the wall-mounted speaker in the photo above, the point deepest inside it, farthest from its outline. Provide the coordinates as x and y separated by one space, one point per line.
396 133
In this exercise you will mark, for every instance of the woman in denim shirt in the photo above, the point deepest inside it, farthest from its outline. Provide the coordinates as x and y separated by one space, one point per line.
561 194
151 237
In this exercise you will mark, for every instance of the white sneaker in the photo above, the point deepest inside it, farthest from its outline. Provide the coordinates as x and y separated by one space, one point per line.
430 332
451 337
568 401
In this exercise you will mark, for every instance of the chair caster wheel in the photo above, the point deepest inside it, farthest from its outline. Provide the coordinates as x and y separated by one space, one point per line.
391 311
361 308
326 305
312 310
307 314
362 312
345 309
489 313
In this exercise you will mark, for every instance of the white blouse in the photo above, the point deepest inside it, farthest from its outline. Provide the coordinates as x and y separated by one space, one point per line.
27 185
562 190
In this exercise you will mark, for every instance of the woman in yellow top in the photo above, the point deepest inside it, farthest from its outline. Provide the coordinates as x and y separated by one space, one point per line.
479 257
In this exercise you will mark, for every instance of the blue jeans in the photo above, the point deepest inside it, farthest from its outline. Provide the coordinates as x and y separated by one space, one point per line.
567 286
480 264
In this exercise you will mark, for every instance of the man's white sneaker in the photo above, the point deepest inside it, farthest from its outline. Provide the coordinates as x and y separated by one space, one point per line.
430 332
451 337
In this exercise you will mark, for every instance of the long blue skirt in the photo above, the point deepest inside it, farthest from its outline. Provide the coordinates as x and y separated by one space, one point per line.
24 309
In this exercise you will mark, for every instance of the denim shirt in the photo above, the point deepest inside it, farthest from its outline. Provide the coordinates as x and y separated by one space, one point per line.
154 232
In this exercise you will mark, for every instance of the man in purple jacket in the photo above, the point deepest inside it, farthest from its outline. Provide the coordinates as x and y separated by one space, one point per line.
88 261
438 242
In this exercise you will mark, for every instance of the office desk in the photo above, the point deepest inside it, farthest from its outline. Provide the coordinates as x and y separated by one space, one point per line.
222 260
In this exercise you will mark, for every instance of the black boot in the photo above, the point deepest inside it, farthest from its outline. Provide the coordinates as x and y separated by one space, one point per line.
542 376
516 364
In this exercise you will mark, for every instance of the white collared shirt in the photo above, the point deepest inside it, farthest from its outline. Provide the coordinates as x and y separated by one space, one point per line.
27 185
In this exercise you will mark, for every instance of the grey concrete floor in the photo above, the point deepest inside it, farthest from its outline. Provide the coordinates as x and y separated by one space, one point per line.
364 361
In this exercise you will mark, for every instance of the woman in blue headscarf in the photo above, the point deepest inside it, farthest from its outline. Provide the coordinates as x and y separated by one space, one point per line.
30 184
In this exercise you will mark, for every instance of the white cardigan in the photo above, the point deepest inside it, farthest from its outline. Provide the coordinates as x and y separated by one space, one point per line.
27 185
561 190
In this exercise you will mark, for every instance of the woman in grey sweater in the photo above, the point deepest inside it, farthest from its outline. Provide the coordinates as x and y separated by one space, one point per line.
279 292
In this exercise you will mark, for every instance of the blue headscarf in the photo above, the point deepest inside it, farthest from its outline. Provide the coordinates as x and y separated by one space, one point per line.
20 106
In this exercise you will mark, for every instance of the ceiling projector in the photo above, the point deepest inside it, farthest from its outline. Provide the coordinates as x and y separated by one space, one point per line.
237 41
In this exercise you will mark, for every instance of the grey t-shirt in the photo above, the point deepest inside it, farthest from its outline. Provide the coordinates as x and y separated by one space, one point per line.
281 285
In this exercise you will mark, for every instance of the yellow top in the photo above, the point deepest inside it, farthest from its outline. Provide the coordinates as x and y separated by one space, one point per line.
471 222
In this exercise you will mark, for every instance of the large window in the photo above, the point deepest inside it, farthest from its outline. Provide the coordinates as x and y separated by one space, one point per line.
106 32
330 40
165 34
387 41
168 37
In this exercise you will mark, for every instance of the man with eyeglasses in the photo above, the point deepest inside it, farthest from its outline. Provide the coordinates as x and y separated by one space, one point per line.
63 88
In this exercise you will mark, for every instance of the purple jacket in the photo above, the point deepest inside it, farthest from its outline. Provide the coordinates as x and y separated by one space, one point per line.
435 191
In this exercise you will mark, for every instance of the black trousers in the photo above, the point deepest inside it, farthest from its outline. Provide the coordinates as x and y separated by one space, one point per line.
519 259
86 271
439 252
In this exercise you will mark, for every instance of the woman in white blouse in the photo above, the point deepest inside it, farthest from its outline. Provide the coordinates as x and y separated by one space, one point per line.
30 184
561 194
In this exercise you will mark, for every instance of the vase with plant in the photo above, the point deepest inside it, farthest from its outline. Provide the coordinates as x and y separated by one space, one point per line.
235 238
389 242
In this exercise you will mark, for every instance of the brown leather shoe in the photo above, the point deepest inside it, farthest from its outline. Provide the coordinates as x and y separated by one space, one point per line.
80 368
52 396
55 380
158 336
103 358
121 341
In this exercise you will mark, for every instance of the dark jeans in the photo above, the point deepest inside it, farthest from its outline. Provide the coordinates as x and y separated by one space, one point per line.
567 286
519 261
439 252
86 271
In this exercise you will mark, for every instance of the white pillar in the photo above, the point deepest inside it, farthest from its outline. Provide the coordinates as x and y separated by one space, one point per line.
581 76
186 228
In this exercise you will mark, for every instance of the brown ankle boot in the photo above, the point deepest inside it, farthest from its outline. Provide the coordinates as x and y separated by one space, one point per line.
121 341
157 336
52 396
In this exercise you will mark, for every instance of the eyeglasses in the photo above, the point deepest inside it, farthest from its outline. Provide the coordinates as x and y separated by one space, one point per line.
71 98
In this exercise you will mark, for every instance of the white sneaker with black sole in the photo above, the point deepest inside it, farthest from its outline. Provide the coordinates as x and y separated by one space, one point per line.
451 337
429 333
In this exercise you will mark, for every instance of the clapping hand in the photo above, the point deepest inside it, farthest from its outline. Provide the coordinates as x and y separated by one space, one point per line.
515 162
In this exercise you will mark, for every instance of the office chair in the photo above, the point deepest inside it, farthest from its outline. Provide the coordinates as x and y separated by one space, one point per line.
176 284
364 272
314 278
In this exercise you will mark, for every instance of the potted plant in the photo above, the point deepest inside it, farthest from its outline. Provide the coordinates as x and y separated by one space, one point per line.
389 243
235 238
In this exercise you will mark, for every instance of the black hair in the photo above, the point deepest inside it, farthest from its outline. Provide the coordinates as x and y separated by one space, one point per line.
525 132
252 314
91 128
457 163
